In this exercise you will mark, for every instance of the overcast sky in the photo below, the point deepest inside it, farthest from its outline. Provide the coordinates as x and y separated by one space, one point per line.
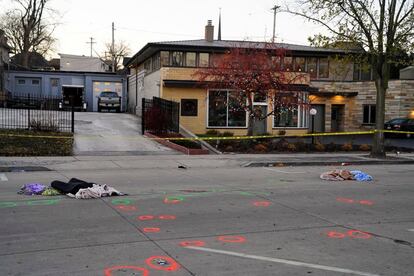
138 22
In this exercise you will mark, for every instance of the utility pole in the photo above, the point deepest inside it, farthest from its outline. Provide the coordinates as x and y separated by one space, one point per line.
274 9
113 47
91 42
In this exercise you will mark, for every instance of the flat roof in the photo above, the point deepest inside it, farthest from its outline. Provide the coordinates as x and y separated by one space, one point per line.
222 45
67 72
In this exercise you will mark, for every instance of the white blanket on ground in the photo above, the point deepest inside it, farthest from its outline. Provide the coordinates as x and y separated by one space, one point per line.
97 191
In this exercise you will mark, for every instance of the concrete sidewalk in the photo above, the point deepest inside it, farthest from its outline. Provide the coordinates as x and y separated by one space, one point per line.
209 161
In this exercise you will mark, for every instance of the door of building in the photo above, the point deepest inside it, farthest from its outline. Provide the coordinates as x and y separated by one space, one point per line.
260 124
337 117
319 118
54 87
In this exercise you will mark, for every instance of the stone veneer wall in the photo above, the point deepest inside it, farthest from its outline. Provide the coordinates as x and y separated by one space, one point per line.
399 100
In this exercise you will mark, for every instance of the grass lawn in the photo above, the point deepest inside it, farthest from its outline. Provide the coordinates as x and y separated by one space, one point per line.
35 143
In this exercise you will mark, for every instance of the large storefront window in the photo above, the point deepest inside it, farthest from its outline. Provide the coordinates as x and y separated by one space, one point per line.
203 60
300 64
312 67
288 64
177 59
323 68
224 109
291 110
165 58
190 59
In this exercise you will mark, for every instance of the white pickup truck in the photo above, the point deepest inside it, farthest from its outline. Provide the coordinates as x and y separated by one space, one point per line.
109 100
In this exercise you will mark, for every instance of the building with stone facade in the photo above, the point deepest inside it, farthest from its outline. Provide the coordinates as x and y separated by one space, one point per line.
343 93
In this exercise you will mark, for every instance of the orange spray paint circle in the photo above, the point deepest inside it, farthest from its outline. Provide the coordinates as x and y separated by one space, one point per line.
336 235
356 234
126 208
108 271
366 202
162 263
262 203
146 217
167 217
151 230
192 243
345 200
232 239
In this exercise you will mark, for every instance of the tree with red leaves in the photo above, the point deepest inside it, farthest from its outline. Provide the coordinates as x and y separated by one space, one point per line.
252 70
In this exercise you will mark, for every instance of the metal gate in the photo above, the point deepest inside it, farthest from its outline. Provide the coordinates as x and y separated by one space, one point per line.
37 113
160 116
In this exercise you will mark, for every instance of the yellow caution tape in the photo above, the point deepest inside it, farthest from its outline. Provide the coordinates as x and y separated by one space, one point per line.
267 136
395 131
35 136
224 138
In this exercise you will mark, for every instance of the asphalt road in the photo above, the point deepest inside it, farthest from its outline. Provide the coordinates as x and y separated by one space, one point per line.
212 221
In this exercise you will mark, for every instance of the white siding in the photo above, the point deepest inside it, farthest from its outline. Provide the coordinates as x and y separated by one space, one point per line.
81 63
132 92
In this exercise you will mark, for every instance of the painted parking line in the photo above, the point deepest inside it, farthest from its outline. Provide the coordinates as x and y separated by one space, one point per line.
411 230
283 261
3 177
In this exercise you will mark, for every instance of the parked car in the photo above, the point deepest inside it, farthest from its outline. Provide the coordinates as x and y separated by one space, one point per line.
109 100
400 124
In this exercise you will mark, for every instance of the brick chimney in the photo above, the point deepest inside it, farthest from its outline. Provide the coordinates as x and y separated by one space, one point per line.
209 36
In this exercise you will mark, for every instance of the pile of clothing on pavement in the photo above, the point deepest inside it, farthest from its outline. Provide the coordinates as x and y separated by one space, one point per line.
342 175
75 188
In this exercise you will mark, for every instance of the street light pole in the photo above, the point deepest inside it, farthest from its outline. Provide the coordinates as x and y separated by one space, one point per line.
313 113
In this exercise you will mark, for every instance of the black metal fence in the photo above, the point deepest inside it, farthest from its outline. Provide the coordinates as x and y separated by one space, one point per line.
160 116
38 113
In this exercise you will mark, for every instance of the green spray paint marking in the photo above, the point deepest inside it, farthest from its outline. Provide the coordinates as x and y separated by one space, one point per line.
246 194
182 197
178 197
262 193
254 193
122 202
7 204
218 190
43 202
29 203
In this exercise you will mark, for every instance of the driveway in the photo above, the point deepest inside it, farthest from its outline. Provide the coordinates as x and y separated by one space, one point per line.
112 134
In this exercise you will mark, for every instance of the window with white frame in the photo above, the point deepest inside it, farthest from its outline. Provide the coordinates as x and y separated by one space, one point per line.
291 110
225 110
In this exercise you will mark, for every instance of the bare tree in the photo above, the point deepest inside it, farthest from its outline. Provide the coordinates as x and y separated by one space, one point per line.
119 51
252 70
382 28
27 29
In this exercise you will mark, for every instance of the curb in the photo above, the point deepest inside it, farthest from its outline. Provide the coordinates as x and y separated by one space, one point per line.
24 169
325 163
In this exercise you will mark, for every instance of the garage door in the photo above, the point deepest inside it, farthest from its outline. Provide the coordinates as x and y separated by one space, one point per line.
99 87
